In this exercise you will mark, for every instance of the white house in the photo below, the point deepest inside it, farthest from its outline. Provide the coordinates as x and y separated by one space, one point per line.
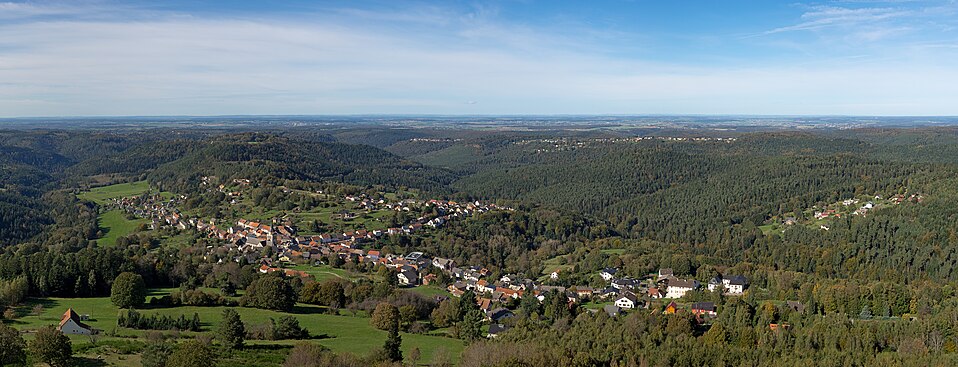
627 301
608 274
444 264
678 287
70 324
555 274
735 284
408 277
732 285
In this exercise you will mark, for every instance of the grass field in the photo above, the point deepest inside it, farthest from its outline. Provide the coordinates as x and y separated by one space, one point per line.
103 194
555 263
339 333
115 225
324 272
430 291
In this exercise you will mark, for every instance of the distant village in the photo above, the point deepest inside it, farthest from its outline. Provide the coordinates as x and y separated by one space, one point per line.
853 207
248 239
567 144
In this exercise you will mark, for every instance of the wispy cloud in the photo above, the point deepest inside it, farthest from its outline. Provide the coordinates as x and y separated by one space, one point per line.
823 17
60 59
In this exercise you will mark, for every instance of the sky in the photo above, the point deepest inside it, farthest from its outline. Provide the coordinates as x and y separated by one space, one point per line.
150 58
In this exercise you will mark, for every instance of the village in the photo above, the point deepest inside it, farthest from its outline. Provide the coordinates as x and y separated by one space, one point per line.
820 216
568 144
497 296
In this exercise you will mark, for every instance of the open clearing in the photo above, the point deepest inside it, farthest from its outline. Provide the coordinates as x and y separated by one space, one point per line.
102 195
115 225
339 333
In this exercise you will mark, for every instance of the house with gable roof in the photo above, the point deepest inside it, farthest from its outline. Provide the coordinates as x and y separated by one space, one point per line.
70 324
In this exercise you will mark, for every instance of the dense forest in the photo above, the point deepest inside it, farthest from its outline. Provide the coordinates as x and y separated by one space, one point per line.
875 289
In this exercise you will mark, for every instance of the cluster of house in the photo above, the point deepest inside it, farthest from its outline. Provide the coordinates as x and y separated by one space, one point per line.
665 285
248 238
862 210
565 144
624 292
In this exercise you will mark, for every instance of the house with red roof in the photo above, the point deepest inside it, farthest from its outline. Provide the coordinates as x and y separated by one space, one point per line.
70 324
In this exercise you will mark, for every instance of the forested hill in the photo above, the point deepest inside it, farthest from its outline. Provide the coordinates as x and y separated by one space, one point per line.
686 191
34 164
272 158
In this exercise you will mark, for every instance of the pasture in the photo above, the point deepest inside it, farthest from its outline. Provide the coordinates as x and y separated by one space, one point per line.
102 195
339 333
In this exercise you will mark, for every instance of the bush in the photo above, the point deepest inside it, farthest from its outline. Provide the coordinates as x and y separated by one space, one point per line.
52 347
134 320
190 354
193 297
287 328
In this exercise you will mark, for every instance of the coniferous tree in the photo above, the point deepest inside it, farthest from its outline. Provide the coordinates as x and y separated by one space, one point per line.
232 332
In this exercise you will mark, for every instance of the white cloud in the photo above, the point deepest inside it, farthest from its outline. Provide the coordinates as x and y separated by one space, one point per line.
176 64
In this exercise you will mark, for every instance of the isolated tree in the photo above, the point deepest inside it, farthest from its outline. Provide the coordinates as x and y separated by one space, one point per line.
232 332
51 347
11 346
269 292
393 340
129 290
287 327
190 354
384 316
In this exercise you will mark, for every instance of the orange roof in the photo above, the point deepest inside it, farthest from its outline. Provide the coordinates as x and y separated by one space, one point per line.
71 315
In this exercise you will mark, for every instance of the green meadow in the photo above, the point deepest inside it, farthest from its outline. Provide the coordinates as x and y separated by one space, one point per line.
339 333
102 195
115 225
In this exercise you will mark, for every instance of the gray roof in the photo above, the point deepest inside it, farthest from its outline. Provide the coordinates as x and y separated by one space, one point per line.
631 296
737 280
497 328
612 310
680 283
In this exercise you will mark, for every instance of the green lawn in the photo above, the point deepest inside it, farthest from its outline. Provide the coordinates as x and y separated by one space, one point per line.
115 225
324 272
554 263
103 194
768 228
339 333
430 291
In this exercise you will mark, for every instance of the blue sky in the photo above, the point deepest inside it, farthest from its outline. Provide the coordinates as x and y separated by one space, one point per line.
844 57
